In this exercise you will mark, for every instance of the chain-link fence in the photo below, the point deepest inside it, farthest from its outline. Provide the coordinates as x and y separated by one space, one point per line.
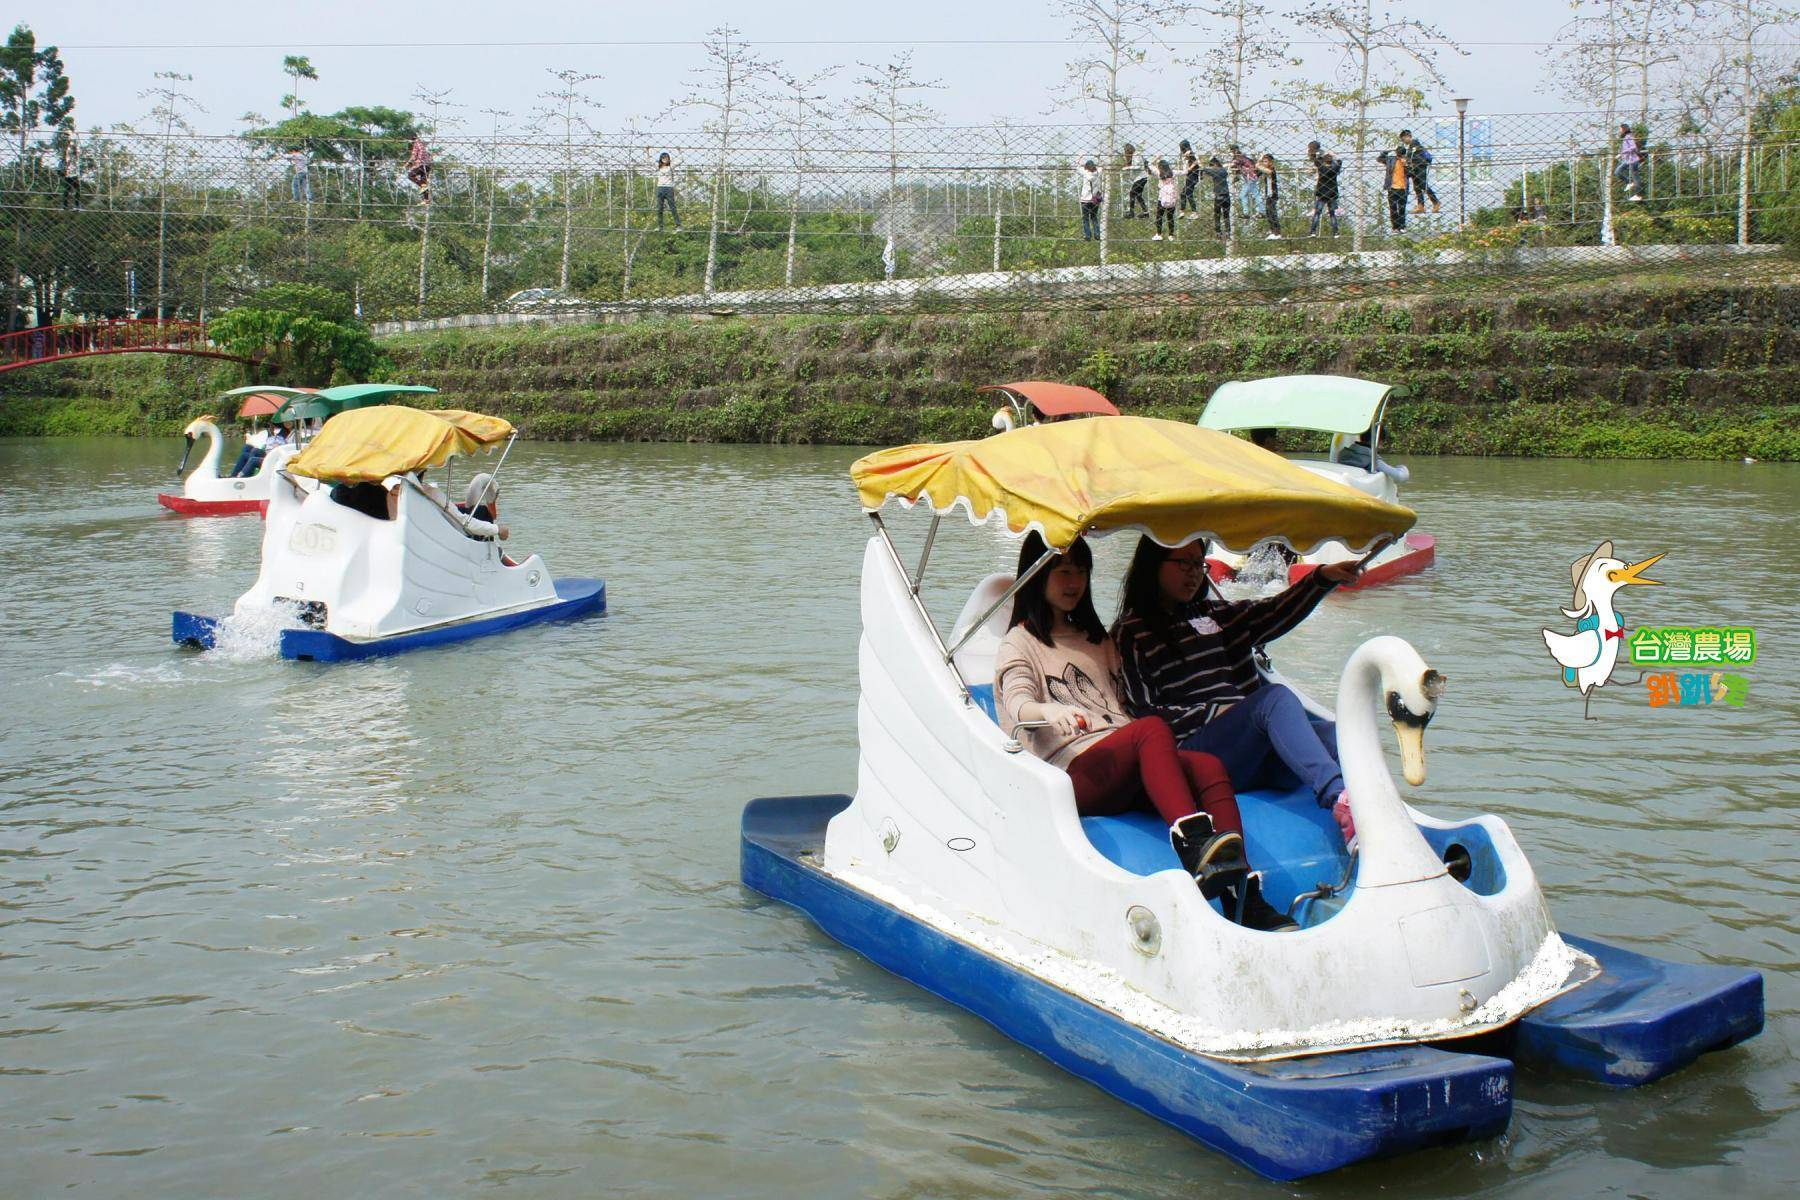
882 219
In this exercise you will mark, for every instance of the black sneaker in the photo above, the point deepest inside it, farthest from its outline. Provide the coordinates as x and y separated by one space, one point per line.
1215 860
1187 835
1245 904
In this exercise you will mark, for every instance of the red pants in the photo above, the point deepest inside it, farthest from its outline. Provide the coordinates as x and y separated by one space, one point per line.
1141 759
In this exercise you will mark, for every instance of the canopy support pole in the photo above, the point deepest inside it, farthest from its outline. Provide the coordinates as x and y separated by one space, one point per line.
1005 596
912 591
494 475
925 554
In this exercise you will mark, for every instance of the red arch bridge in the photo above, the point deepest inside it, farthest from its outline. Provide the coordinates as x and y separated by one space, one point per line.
53 343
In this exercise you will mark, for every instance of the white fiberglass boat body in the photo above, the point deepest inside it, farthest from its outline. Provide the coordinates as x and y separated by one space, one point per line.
371 561
962 864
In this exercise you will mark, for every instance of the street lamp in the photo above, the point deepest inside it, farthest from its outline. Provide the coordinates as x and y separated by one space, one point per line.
1462 163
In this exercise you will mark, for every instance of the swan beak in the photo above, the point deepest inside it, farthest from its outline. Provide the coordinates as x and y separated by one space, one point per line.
1630 574
1412 751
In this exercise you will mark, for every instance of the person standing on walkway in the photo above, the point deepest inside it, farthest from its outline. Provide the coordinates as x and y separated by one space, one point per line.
1249 183
1134 175
299 174
1092 196
1190 174
1220 175
1271 183
418 167
1166 189
1418 170
1393 163
1631 159
69 142
665 189
1325 187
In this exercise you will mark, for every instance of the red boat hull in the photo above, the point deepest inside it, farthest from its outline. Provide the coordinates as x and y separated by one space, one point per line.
210 508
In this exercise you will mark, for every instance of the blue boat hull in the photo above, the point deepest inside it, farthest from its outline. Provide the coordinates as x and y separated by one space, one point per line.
1640 1019
574 598
1285 1119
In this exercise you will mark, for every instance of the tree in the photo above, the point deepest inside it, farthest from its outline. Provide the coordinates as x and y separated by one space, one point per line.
1589 60
1748 20
170 114
1400 50
884 97
1248 45
1115 37
725 88
306 333
296 67
494 177
565 108
796 109
34 94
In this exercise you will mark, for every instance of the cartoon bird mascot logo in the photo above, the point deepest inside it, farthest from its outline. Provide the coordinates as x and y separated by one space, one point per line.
1587 655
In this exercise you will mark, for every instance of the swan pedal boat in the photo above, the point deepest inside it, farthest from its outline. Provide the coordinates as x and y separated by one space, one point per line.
206 493
1427 965
1344 408
362 587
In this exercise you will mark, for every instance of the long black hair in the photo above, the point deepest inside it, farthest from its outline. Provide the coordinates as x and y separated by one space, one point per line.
1031 607
1142 595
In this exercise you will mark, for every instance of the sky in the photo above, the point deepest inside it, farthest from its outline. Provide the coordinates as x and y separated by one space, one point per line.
1007 57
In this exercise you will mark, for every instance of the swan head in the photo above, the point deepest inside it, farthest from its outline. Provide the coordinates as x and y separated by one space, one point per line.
1003 421
1410 692
197 426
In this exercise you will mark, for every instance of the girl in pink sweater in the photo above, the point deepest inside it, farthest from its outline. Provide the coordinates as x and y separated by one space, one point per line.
1058 666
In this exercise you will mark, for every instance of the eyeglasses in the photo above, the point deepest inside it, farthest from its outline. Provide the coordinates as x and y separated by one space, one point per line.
1192 566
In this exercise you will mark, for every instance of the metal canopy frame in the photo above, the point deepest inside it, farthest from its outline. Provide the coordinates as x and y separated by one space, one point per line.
915 580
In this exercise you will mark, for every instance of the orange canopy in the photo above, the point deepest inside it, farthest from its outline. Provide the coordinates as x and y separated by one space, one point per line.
264 404
1057 399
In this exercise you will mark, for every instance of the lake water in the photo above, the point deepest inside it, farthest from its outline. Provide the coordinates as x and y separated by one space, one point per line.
469 919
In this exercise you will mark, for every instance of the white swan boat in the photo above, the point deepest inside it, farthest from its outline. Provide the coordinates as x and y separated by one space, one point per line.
962 865
1345 408
207 493
369 561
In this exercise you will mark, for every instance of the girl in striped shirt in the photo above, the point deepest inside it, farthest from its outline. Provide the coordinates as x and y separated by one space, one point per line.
1190 659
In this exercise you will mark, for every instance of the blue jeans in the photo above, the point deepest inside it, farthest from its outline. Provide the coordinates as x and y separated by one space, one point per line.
1272 719
300 186
1090 220
1250 196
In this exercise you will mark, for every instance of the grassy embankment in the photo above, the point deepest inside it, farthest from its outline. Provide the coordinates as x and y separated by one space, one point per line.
1635 372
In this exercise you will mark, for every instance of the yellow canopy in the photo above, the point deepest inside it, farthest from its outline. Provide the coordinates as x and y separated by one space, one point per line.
366 445
1168 479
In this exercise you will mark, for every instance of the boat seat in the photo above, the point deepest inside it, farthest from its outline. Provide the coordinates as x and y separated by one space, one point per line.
975 658
1293 842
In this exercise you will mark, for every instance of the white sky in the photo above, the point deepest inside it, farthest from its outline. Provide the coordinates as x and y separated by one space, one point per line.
234 50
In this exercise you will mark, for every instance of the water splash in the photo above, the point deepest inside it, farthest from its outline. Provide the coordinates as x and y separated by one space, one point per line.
255 633
1264 572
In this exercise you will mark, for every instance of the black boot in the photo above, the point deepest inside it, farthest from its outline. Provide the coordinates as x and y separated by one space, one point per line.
1245 905
1215 860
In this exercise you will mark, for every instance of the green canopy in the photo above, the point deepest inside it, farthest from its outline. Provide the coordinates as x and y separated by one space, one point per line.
1328 403
332 401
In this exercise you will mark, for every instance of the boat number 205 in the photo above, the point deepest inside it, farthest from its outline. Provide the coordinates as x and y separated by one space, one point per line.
315 541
